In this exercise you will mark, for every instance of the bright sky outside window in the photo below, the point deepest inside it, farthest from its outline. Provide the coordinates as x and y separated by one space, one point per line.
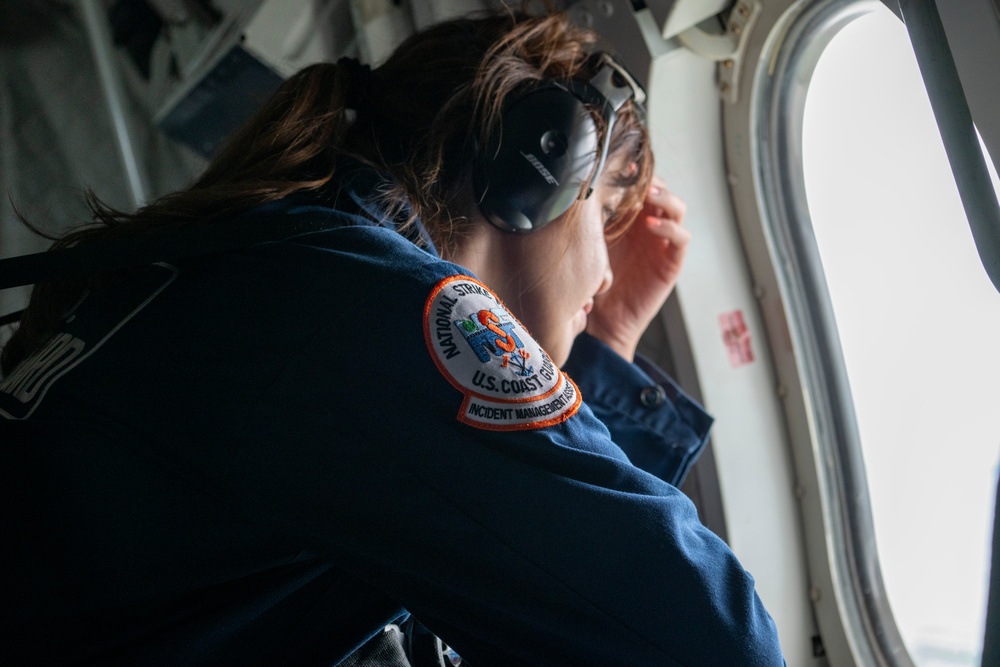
918 319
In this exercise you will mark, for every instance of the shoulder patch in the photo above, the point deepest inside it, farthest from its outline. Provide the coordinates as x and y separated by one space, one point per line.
508 380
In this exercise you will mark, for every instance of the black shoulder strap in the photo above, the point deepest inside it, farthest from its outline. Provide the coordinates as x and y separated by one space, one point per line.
161 246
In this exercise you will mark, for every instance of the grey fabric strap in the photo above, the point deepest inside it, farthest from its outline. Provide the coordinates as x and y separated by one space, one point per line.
383 650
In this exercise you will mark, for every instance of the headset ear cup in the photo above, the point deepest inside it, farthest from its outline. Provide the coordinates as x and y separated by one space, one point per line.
537 160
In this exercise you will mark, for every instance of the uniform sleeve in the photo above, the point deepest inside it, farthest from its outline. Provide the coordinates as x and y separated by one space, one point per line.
533 546
660 428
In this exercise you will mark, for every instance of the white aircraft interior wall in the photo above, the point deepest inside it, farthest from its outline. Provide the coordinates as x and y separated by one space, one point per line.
756 476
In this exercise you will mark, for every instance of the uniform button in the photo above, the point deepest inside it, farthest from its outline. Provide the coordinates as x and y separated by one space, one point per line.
652 396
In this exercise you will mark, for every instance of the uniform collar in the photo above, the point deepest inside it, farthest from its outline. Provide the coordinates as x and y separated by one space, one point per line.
353 190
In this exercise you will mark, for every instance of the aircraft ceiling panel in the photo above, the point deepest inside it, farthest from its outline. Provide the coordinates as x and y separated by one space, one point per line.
676 16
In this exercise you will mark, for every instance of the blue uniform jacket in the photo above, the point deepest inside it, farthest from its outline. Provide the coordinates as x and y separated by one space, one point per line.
255 458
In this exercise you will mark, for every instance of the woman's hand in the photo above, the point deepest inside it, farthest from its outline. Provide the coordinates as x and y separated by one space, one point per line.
646 263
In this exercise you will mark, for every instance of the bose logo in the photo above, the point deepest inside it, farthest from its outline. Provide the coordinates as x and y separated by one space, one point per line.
540 168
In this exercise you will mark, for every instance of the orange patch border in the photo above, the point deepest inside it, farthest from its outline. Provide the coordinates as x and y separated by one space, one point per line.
468 394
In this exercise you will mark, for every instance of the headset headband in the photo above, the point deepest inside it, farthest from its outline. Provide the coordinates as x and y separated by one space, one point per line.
547 147
617 86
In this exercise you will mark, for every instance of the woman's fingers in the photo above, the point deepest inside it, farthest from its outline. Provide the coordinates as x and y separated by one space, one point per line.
663 203
669 229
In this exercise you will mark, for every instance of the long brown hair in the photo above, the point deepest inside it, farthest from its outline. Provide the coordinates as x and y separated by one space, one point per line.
440 92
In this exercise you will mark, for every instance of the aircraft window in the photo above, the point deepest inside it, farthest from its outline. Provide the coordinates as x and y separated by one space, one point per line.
917 319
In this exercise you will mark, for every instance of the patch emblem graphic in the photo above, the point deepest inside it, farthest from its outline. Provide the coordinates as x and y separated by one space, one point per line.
508 380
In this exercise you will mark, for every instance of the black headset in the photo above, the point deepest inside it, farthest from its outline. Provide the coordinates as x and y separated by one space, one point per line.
545 148
544 151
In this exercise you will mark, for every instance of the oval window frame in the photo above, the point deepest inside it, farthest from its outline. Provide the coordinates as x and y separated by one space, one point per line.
763 130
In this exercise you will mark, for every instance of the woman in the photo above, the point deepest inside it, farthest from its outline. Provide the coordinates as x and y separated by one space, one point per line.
264 455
